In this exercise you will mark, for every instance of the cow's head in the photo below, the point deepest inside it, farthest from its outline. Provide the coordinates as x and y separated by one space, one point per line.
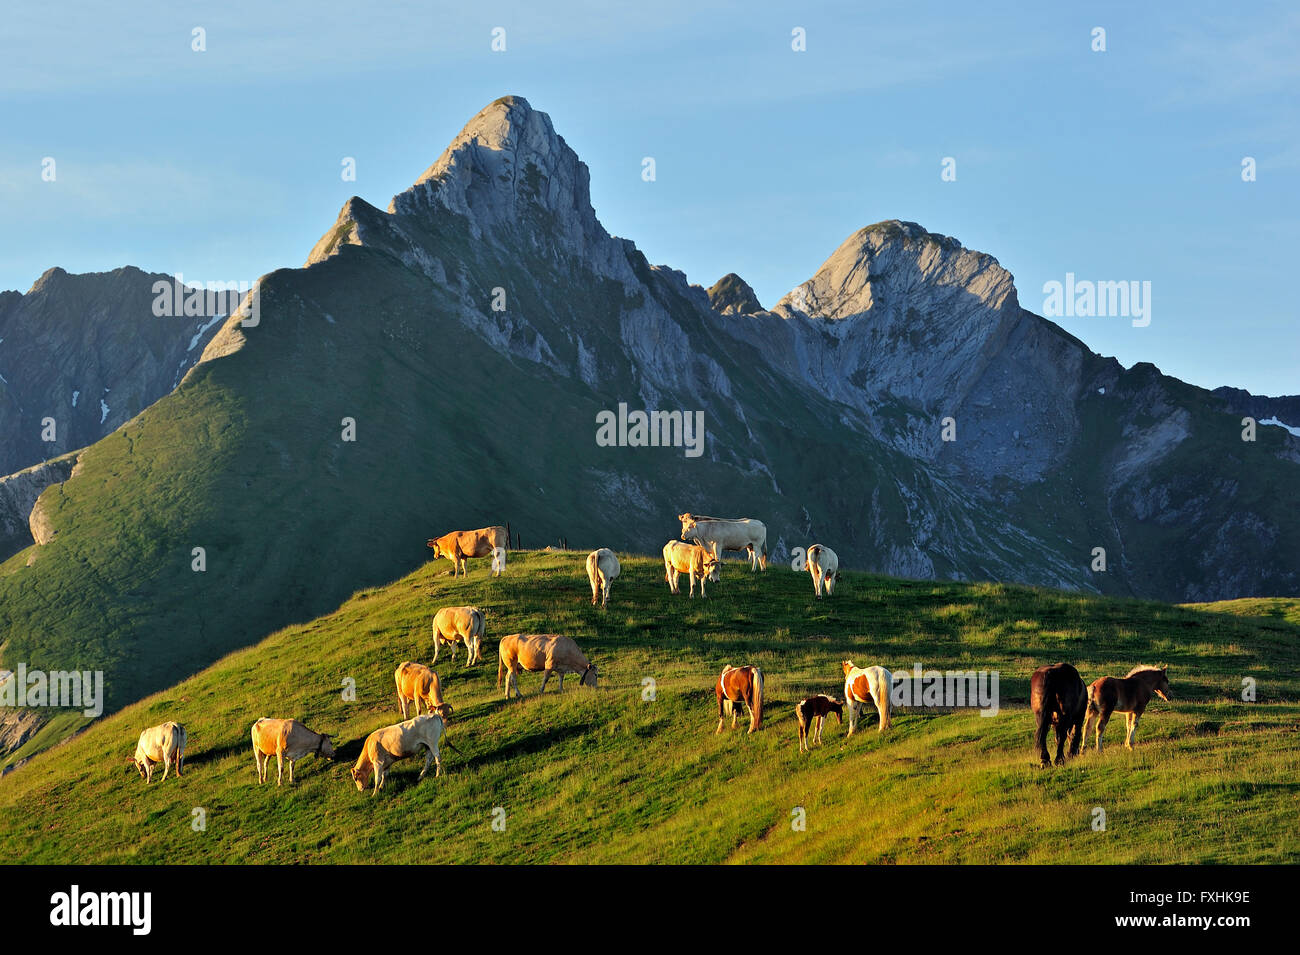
325 747
361 776
588 676
711 568
688 525
444 710
433 545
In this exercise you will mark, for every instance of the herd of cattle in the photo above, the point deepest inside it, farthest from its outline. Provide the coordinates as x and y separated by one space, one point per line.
1058 696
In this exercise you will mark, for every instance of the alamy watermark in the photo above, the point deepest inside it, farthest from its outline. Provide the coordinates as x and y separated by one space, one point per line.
175 299
1087 299
73 689
651 429
948 689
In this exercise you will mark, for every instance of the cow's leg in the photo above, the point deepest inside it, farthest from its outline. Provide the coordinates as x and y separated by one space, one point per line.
545 677
830 583
401 700
560 673
437 641
291 762
279 766
428 756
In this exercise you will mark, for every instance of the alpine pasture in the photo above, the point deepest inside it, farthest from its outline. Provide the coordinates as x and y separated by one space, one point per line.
632 771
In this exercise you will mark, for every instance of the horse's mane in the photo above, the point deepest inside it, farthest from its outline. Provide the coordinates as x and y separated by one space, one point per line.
1141 668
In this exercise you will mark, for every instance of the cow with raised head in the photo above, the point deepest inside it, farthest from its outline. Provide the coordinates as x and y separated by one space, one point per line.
722 533
690 559
458 546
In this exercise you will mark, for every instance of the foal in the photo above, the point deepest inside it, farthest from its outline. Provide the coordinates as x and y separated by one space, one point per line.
1129 695
812 712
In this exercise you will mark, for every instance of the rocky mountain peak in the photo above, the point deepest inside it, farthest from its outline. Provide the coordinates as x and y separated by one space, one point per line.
508 164
732 295
895 261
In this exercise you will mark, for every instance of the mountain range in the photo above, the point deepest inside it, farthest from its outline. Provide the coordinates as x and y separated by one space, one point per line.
441 364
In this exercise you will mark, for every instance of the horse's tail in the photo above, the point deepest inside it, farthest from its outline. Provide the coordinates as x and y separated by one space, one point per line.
758 699
883 701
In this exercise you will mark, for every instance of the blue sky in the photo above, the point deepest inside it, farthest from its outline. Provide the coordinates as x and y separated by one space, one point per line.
1122 165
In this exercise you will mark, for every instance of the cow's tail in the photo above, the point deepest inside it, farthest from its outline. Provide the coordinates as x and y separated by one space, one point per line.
758 699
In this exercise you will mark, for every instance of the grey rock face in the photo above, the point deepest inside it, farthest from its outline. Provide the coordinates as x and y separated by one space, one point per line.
19 525
87 352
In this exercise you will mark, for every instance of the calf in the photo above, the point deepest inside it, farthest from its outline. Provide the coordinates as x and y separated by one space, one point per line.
285 739
386 746
811 713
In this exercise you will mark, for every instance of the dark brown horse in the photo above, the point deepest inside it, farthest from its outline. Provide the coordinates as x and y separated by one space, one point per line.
740 685
1058 698
1129 695
811 714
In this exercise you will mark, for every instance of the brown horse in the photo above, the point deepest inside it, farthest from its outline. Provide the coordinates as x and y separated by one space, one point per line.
1129 695
811 714
740 685
1058 697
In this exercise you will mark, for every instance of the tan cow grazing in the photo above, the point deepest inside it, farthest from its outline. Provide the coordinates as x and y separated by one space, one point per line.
602 568
285 739
824 567
386 746
164 744
538 652
418 684
460 624
689 559
460 545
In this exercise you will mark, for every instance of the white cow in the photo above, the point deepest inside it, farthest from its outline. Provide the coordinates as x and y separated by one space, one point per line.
720 533
690 559
164 744
824 567
459 624
602 568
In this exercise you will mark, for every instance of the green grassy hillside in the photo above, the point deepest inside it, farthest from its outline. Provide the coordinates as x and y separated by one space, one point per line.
607 775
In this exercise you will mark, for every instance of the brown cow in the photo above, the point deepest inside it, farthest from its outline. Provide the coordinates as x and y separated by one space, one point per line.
537 652
417 683
285 739
386 746
457 546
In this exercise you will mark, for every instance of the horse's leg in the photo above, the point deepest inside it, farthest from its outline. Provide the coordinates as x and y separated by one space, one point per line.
1088 712
1132 730
1061 730
1102 719
1040 736
853 716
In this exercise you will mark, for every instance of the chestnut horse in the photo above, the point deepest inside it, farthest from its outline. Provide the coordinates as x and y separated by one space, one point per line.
1058 697
1129 695
740 685
811 713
